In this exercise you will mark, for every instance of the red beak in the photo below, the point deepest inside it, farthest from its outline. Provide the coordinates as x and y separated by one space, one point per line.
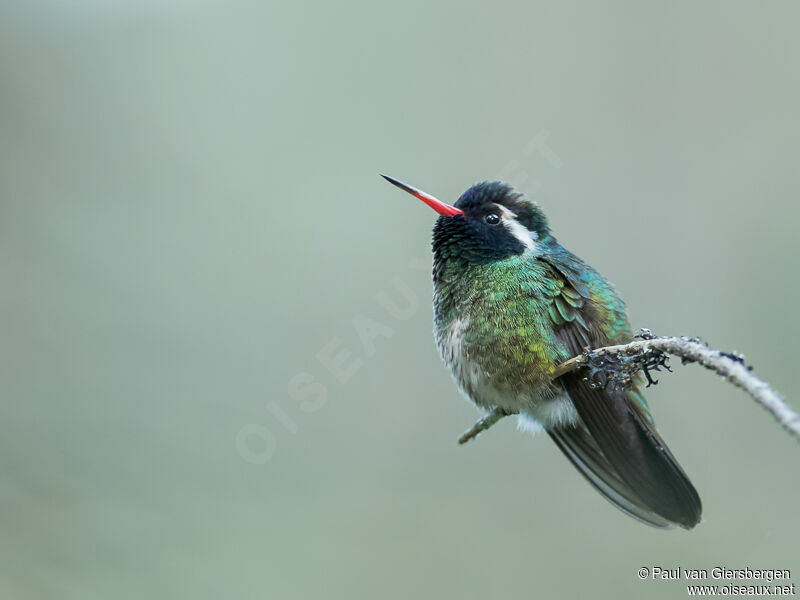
437 205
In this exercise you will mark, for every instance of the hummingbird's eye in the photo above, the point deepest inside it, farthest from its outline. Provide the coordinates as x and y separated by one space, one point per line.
492 219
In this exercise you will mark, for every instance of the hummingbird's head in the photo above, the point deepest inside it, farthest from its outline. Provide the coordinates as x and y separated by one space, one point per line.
489 222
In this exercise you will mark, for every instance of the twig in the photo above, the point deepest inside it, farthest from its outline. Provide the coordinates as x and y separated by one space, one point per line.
618 364
483 424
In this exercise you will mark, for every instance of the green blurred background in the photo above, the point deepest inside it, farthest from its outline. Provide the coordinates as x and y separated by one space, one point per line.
190 212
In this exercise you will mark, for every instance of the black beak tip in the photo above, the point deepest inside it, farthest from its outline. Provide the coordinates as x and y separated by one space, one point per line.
403 186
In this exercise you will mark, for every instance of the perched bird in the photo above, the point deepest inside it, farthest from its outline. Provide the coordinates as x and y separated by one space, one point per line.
510 305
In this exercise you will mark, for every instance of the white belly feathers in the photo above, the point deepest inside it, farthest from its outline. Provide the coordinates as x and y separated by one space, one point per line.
535 410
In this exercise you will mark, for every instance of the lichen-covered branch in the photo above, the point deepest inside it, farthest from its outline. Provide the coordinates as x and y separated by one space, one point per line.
617 365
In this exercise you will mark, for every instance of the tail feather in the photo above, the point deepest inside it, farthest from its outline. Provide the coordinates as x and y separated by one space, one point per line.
619 451
583 453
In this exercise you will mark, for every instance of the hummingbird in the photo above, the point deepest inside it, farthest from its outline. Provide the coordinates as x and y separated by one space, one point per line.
510 304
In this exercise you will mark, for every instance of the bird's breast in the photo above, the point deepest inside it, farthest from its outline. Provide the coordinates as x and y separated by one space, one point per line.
491 380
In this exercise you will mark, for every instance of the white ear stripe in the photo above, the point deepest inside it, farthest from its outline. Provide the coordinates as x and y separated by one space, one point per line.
525 236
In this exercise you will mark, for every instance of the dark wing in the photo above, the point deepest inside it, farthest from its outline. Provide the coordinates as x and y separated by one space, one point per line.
616 447
578 446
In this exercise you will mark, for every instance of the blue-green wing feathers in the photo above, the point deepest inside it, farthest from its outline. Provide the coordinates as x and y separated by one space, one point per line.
616 446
